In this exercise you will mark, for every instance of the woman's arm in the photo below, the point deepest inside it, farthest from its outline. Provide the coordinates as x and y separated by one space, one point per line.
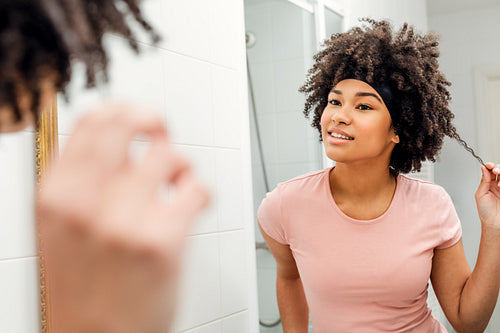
292 302
468 299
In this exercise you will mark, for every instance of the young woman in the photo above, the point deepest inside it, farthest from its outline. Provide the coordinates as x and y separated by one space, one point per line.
356 244
110 244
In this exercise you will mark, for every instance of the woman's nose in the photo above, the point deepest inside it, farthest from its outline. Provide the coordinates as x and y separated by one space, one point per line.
341 115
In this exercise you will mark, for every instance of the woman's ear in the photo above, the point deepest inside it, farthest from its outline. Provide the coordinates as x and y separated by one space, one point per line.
395 137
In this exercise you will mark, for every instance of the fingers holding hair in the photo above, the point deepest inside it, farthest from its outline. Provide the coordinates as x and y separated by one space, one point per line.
494 171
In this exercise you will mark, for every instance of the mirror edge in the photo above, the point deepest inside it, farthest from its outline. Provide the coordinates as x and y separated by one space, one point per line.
46 150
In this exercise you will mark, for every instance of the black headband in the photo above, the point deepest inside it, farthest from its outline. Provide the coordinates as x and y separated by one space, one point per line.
390 99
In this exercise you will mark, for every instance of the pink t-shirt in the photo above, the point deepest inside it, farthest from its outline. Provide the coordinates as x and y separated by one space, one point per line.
363 276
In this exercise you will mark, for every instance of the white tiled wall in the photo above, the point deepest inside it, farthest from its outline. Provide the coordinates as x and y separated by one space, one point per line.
19 290
278 64
19 301
196 80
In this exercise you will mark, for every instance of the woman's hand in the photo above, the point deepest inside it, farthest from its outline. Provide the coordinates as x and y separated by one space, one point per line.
111 242
488 196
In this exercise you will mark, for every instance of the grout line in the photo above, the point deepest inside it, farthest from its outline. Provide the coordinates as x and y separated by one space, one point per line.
192 145
206 146
18 258
212 321
209 233
163 48
220 269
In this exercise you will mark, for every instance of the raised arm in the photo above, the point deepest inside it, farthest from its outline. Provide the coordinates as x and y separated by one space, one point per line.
468 299
292 302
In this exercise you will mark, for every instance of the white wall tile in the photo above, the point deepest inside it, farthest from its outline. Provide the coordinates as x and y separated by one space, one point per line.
186 27
215 327
283 172
229 189
202 160
259 188
289 75
227 33
228 106
265 259
293 143
234 272
258 21
136 79
268 128
268 304
188 97
81 100
19 296
286 31
237 323
17 193
200 289
258 234
262 78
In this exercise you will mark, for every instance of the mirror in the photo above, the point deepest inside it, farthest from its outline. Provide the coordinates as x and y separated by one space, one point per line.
469 59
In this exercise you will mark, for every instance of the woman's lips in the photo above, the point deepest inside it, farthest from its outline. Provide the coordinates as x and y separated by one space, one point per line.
337 136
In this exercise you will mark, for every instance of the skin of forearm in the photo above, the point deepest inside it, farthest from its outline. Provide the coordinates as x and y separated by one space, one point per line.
292 304
480 293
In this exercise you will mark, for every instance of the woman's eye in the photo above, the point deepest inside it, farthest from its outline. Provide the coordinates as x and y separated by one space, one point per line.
364 107
334 102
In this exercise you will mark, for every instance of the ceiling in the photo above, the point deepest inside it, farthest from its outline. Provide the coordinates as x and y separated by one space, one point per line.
435 7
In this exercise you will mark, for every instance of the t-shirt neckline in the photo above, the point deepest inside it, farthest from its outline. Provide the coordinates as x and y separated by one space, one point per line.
346 217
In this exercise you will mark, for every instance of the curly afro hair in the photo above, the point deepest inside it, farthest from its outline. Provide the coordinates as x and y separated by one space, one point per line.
42 37
407 63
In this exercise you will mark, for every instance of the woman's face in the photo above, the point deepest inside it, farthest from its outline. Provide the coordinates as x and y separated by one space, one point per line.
356 125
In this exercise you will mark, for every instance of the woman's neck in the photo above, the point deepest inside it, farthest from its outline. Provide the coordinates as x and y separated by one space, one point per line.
361 182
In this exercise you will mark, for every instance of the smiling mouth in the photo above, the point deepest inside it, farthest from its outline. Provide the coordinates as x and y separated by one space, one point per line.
340 136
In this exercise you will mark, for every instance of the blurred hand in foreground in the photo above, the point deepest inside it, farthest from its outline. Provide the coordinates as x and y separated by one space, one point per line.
111 244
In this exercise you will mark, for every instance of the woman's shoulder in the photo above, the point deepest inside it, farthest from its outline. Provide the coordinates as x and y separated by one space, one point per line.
309 180
422 188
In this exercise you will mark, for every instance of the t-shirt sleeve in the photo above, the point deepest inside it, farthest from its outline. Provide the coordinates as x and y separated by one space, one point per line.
451 230
270 216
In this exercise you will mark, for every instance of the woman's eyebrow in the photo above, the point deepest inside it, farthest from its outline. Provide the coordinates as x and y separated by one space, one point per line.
359 94
363 94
